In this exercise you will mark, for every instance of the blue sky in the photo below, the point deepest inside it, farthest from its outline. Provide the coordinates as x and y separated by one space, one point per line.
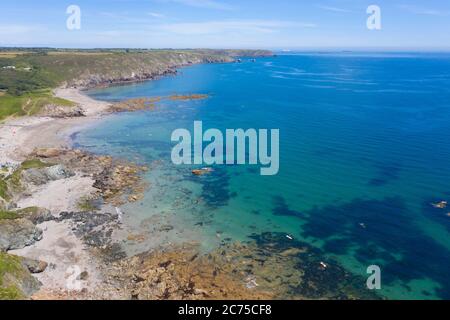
290 24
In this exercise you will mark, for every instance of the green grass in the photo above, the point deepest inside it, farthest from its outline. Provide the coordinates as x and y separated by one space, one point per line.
34 164
10 293
8 215
25 91
29 210
11 265
3 189
85 205
11 215
29 103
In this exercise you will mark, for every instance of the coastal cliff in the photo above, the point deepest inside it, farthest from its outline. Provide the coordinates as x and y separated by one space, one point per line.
28 76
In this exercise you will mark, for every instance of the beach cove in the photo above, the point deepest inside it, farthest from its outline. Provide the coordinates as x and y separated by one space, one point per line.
227 228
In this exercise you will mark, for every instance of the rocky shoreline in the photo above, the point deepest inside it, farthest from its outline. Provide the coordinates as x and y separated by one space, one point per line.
143 73
59 213
58 206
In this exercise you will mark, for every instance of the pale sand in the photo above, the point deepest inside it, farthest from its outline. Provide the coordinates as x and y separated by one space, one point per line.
60 195
59 246
66 256
19 137
91 107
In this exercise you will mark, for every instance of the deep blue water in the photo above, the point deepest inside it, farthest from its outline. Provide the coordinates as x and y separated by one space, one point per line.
365 150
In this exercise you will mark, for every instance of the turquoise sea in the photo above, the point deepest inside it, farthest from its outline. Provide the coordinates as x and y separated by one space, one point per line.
364 152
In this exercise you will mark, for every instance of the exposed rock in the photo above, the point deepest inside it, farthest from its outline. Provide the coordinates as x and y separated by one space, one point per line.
94 229
202 171
35 214
116 180
179 274
40 176
135 104
268 267
83 276
18 233
47 152
34 266
56 111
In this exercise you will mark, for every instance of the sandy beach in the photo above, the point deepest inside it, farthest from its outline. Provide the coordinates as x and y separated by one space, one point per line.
59 247
18 137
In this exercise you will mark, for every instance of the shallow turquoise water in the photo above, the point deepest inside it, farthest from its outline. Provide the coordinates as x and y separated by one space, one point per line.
364 152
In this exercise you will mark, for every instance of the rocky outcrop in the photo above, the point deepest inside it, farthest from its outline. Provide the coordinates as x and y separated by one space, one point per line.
179 274
102 80
118 181
40 176
271 266
56 111
18 233
46 153
134 67
142 67
35 215
95 229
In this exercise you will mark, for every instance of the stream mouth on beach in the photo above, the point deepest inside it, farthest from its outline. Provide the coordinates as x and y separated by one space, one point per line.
363 154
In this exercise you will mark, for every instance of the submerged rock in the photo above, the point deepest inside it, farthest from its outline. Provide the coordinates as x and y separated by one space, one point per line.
181 273
268 267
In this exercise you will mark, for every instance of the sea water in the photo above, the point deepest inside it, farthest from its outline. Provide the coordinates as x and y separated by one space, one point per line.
364 152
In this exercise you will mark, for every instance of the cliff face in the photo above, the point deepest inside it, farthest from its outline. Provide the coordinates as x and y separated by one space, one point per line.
85 69
139 67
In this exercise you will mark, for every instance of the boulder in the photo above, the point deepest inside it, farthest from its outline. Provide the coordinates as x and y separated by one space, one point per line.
40 176
34 266
18 233
58 172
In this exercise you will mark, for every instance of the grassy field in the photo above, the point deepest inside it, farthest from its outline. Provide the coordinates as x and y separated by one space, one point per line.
10 265
28 103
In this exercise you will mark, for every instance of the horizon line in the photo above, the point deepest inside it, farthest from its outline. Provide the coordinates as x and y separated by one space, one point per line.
277 49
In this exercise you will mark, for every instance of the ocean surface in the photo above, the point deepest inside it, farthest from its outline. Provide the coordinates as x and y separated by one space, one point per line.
364 152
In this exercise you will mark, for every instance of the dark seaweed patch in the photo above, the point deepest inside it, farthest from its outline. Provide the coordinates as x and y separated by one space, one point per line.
282 209
215 187
386 174
389 232
331 282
